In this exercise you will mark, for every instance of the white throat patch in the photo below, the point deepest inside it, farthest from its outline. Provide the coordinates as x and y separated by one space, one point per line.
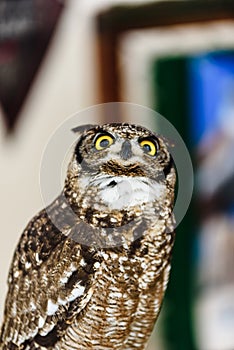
120 192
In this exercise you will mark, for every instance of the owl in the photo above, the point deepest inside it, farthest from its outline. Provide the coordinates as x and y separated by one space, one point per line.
91 269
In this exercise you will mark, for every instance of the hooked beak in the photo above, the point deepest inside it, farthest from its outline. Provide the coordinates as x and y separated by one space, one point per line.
126 150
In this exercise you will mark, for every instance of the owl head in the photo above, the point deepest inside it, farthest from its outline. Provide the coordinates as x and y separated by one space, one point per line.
117 166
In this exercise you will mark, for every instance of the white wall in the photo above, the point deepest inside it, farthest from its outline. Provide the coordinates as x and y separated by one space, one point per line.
64 85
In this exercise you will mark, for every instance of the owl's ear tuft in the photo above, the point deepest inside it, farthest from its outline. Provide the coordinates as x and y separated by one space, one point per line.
82 128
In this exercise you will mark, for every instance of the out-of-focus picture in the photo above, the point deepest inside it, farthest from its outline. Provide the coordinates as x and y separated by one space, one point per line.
176 57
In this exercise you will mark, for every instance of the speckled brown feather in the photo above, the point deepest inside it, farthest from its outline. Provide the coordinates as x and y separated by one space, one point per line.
94 277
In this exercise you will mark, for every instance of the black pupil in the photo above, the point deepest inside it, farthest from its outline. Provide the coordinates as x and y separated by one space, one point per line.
104 143
147 148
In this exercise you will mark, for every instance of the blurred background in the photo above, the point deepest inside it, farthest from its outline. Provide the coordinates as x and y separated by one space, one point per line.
176 57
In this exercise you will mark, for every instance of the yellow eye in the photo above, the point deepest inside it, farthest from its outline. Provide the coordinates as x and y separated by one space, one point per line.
149 147
103 141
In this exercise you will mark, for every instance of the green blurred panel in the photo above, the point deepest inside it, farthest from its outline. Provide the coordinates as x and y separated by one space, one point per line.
171 94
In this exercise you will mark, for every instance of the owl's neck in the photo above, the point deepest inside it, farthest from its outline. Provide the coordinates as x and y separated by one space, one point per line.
82 216
113 201
94 213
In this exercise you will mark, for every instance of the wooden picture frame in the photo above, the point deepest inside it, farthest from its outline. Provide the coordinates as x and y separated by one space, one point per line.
114 22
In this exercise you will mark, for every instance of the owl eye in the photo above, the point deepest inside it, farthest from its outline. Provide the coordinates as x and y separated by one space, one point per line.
103 141
149 147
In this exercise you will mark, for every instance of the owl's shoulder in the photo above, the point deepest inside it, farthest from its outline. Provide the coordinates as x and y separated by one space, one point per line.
51 280
38 240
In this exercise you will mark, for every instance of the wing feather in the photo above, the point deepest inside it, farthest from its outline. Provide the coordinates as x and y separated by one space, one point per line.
49 282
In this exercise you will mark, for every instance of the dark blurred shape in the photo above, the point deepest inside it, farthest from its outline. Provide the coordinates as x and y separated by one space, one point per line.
26 27
212 97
